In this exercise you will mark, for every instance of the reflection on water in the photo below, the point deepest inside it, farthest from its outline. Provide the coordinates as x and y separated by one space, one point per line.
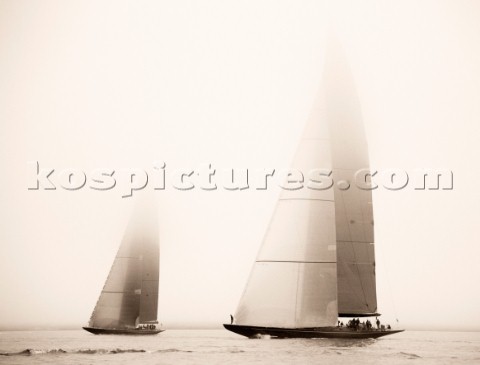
336 342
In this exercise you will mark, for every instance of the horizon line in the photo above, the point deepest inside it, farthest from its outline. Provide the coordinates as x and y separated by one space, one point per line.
177 326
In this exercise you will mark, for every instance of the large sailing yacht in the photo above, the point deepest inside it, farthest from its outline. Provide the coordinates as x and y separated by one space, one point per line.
317 263
129 299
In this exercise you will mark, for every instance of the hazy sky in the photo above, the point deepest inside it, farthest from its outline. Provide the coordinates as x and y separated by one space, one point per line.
122 85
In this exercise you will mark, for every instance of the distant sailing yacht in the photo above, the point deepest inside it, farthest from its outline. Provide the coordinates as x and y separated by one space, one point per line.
129 299
317 262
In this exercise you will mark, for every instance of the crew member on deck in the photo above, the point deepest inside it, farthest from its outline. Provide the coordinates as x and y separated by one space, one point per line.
231 319
378 323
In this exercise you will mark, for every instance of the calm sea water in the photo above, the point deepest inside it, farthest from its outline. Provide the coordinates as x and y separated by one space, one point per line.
220 347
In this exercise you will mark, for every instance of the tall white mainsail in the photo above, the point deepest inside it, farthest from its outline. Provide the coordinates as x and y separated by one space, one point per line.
294 279
130 293
317 259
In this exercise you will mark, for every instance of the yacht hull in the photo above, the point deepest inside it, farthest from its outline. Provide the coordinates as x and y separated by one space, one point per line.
321 332
110 331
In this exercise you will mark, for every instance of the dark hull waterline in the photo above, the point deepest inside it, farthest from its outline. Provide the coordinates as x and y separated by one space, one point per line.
323 332
126 331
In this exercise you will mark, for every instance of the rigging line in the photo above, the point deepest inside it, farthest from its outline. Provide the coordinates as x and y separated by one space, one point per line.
392 299
353 248
296 295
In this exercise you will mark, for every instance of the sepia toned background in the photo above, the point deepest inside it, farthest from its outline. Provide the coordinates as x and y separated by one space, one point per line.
120 85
